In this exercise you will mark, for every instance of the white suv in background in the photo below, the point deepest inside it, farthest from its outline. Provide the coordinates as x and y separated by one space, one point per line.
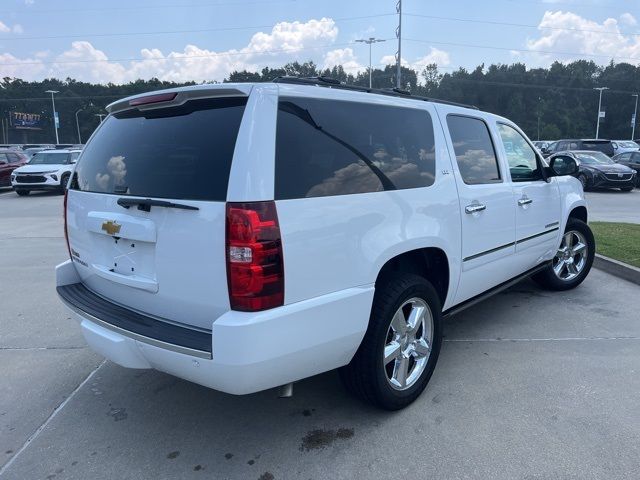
245 236
47 170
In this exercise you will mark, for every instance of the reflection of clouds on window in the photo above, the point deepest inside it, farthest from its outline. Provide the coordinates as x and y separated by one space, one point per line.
477 166
102 179
359 178
117 170
356 177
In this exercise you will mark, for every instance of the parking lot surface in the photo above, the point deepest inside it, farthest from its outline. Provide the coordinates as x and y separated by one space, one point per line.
614 206
530 384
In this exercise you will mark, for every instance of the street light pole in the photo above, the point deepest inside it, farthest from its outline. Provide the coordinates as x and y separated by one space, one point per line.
78 124
635 112
101 115
53 106
370 41
599 108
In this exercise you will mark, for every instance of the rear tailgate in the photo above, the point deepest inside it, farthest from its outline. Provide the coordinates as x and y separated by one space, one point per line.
160 251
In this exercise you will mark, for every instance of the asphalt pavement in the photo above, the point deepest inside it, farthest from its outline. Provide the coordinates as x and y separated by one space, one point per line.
614 206
530 385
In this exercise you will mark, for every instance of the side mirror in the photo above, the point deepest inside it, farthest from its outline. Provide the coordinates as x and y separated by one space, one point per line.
563 166
544 149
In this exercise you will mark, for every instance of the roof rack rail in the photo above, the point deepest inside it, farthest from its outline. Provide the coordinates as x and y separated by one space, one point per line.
330 82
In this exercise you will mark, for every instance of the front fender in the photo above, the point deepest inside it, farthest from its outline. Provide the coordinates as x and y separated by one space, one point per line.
571 196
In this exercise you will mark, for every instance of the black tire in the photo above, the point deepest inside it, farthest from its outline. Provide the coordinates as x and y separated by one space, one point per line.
366 376
64 181
548 279
583 181
626 189
23 193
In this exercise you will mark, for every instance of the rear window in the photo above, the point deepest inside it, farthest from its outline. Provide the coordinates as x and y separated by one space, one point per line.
181 152
329 147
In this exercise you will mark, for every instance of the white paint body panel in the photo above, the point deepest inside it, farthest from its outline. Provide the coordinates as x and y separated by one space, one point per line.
334 248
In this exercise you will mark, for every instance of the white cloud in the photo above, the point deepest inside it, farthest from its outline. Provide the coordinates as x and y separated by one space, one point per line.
29 2
628 19
435 55
25 68
286 42
344 57
569 32
4 28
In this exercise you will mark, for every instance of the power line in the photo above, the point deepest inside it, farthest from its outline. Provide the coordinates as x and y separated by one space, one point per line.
549 52
32 11
491 22
185 57
202 30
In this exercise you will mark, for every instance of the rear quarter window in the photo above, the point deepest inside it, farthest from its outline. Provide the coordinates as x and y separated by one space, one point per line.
328 147
182 152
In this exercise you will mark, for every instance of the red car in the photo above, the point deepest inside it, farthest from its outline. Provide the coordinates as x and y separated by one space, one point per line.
9 161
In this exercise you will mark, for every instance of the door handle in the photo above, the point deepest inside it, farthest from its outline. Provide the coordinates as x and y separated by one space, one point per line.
524 201
474 207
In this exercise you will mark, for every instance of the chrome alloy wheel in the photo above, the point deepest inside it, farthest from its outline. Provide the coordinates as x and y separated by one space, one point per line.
571 257
408 344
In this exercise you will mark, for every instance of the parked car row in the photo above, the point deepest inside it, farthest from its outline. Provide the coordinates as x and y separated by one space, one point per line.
602 163
29 167
46 170
596 170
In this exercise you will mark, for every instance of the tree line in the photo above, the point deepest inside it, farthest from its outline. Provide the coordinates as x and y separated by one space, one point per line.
547 103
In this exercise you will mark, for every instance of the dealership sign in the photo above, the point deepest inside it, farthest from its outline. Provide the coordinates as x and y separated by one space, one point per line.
25 121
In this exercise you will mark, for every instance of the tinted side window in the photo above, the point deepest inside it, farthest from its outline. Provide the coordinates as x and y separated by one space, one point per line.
3 158
522 159
623 157
329 147
474 150
635 158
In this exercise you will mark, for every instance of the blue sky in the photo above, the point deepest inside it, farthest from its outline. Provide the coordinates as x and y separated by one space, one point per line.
105 41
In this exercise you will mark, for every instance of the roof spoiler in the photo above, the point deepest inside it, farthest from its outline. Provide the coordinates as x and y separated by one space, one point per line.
176 97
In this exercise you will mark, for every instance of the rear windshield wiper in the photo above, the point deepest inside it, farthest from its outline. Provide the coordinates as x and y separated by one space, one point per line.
145 204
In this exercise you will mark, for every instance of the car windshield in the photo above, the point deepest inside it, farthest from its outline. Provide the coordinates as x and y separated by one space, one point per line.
594 158
49 158
628 144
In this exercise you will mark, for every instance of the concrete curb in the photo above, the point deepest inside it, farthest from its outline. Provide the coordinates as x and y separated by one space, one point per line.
617 268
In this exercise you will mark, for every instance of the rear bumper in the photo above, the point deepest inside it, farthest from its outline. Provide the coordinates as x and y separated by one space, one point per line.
249 351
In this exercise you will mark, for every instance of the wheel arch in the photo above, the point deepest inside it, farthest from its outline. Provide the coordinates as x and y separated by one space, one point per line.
431 263
580 213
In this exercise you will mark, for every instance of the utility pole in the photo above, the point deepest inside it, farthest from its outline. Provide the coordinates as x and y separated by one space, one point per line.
55 114
370 41
599 108
633 119
399 52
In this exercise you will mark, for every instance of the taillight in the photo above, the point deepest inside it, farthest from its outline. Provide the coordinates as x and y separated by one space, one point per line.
255 267
66 232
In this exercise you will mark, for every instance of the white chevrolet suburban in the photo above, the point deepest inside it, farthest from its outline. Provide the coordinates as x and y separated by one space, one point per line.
245 236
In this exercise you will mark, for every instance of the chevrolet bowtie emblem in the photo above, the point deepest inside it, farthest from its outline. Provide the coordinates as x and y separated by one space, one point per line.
111 227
